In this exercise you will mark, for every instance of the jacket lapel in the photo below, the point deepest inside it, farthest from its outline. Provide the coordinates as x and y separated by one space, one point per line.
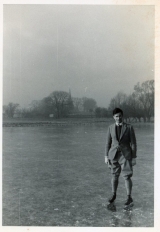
123 130
114 129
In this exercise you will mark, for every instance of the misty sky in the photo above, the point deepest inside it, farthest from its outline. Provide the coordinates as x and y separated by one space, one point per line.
95 51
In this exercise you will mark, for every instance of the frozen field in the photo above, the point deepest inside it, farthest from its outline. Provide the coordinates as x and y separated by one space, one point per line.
56 176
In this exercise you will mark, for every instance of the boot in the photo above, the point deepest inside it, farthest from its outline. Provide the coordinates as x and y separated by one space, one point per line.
112 198
129 202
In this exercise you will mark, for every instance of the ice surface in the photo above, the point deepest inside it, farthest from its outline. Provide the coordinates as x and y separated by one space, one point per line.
54 176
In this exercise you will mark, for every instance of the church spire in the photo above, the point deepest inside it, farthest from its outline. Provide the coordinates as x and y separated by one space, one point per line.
69 92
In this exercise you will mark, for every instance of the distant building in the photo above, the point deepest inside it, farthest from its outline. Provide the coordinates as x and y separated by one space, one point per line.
51 115
17 115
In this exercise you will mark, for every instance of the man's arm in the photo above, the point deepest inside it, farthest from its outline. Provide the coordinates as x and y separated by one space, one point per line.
133 143
133 146
108 145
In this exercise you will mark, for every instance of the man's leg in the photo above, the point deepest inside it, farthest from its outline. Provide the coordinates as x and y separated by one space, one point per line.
127 173
115 171
128 185
114 184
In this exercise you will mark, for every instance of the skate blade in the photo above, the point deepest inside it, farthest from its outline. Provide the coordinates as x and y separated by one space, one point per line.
111 206
128 207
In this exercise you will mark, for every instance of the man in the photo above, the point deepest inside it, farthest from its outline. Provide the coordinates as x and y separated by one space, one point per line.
120 154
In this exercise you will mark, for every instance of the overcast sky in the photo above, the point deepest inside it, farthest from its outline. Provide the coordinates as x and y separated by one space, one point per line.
95 51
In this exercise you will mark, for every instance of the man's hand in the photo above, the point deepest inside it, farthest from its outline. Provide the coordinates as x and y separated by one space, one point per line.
133 161
107 161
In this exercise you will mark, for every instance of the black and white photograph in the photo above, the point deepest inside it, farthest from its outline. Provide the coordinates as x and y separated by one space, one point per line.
78 115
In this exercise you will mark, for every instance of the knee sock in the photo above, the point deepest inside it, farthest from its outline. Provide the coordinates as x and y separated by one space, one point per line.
114 183
128 185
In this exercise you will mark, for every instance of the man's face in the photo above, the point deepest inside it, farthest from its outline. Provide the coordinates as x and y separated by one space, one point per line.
118 117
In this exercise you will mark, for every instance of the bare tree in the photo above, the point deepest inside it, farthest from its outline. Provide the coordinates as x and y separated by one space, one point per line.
47 106
62 103
89 104
144 94
10 109
117 101
26 113
134 107
78 103
34 108
128 104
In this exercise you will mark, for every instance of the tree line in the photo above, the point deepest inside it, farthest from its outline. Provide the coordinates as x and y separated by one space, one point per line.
58 104
138 105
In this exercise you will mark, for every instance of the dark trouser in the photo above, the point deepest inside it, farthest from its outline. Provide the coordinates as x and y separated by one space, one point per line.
120 164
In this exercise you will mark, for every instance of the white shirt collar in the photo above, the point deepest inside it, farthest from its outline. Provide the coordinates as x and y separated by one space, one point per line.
119 124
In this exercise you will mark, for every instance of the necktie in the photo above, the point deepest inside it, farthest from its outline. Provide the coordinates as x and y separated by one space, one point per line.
118 132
